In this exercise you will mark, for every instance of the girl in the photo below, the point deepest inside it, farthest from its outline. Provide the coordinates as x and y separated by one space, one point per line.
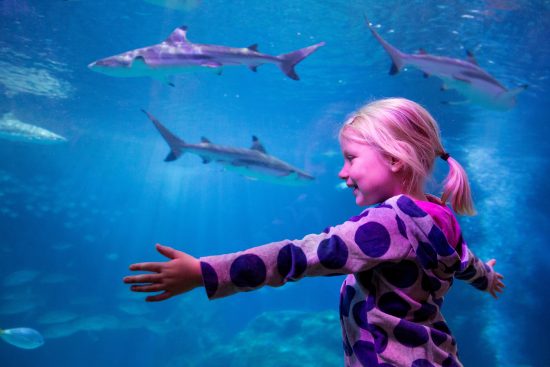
401 256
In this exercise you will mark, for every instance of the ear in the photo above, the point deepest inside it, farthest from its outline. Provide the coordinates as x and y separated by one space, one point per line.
396 164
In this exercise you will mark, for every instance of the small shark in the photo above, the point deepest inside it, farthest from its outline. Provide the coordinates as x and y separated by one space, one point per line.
13 129
465 76
253 163
176 55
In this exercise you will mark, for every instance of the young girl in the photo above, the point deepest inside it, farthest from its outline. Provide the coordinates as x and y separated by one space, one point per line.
401 256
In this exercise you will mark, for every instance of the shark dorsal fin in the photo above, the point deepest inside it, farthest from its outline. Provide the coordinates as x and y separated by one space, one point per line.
256 145
179 35
253 47
205 140
470 57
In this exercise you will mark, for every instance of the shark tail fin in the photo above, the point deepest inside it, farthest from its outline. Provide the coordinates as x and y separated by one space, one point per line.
289 60
176 144
396 55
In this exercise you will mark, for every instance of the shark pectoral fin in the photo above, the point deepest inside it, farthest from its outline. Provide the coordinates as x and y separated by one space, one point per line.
254 68
253 47
514 92
426 75
205 160
205 140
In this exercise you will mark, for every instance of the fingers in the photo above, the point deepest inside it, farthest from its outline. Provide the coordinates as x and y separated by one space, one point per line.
142 278
159 297
147 288
492 262
169 252
154 267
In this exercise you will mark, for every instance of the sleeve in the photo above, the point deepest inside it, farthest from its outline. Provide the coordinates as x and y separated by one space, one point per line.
354 246
472 269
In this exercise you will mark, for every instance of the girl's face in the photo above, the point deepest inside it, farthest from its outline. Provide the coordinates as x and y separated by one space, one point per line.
372 176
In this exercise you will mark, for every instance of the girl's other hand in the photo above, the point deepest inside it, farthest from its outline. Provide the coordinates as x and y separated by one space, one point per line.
497 286
180 274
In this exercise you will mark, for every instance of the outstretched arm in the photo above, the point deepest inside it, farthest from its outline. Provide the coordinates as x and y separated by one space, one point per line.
180 274
496 286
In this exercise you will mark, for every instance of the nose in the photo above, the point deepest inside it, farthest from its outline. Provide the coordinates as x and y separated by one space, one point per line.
343 174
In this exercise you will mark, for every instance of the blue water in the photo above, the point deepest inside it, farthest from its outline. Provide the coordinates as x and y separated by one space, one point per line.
73 216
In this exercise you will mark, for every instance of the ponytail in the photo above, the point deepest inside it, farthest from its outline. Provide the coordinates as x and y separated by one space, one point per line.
456 188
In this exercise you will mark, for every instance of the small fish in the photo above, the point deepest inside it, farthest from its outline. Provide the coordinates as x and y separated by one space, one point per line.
176 55
13 129
465 76
252 163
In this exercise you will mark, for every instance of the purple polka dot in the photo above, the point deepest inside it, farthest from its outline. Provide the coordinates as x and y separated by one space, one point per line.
410 334
421 363
401 226
347 296
327 230
359 311
373 239
291 262
210 278
481 283
380 338
450 362
365 353
384 205
408 207
365 279
332 252
467 273
438 337
386 365
430 284
357 218
401 275
425 312
347 346
426 255
438 239
392 304
442 326
247 271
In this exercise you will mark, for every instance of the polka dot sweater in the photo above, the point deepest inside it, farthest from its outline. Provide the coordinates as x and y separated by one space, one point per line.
399 263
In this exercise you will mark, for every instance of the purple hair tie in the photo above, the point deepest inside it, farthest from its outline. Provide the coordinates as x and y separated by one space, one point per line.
445 156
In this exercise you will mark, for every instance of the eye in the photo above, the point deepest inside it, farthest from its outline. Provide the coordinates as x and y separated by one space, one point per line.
349 157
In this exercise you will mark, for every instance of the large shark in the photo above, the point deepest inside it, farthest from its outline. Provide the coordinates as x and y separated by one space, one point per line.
176 55
465 76
253 163
13 129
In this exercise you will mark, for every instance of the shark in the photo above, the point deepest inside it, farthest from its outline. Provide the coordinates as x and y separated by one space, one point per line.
176 54
253 163
13 129
465 76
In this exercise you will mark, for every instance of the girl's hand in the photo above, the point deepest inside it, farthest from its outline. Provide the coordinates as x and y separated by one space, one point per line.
497 285
179 275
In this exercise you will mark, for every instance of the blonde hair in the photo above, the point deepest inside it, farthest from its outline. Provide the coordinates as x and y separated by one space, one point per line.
403 129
